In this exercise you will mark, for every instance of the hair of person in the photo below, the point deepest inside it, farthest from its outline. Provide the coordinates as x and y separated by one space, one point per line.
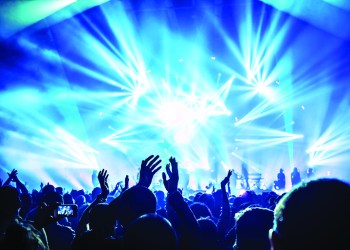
252 228
313 215
150 231
135 202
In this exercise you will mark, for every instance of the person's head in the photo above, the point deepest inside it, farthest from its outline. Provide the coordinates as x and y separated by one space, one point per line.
150 231
59 190
68 199
10 202
281 170
314 215
252 228
101 220
208 234
96 191
207 199
200 210
80 200
52 198
134 202
48 189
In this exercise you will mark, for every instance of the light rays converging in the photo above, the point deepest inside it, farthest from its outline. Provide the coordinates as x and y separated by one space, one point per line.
131 83
333 144
260 138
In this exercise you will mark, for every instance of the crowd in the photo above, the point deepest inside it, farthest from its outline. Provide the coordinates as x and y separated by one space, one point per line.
313 215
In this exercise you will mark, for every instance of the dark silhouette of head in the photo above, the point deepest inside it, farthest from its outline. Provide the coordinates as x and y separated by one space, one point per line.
200 210
314 215
52 198
68 199
207 199
101 221
252 228
10 203
135 202
59 190
80 200
208 234
96 191
150 231
48 189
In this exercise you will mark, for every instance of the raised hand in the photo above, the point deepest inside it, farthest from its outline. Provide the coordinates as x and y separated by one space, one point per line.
149 167
13 175
226 180
102 179
171 184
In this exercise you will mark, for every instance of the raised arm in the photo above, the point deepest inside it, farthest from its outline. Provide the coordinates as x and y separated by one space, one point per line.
19 185
188 230
11 176
149 167
84 220
224 219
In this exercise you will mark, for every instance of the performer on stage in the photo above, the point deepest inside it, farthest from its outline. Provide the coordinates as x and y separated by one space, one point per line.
281 180
295 177
245 176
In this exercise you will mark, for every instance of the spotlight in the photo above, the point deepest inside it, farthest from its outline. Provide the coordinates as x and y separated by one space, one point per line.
264 89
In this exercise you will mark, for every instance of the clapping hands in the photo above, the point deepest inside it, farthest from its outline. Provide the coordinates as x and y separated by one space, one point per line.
13 175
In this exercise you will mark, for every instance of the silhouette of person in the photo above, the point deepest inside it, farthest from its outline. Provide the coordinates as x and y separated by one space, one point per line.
245 176
252 228
280 183
314 215
295 177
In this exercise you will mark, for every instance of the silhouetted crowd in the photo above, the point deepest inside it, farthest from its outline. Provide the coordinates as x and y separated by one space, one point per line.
313 215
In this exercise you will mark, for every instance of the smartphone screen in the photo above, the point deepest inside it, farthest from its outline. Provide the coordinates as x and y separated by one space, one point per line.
66 210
